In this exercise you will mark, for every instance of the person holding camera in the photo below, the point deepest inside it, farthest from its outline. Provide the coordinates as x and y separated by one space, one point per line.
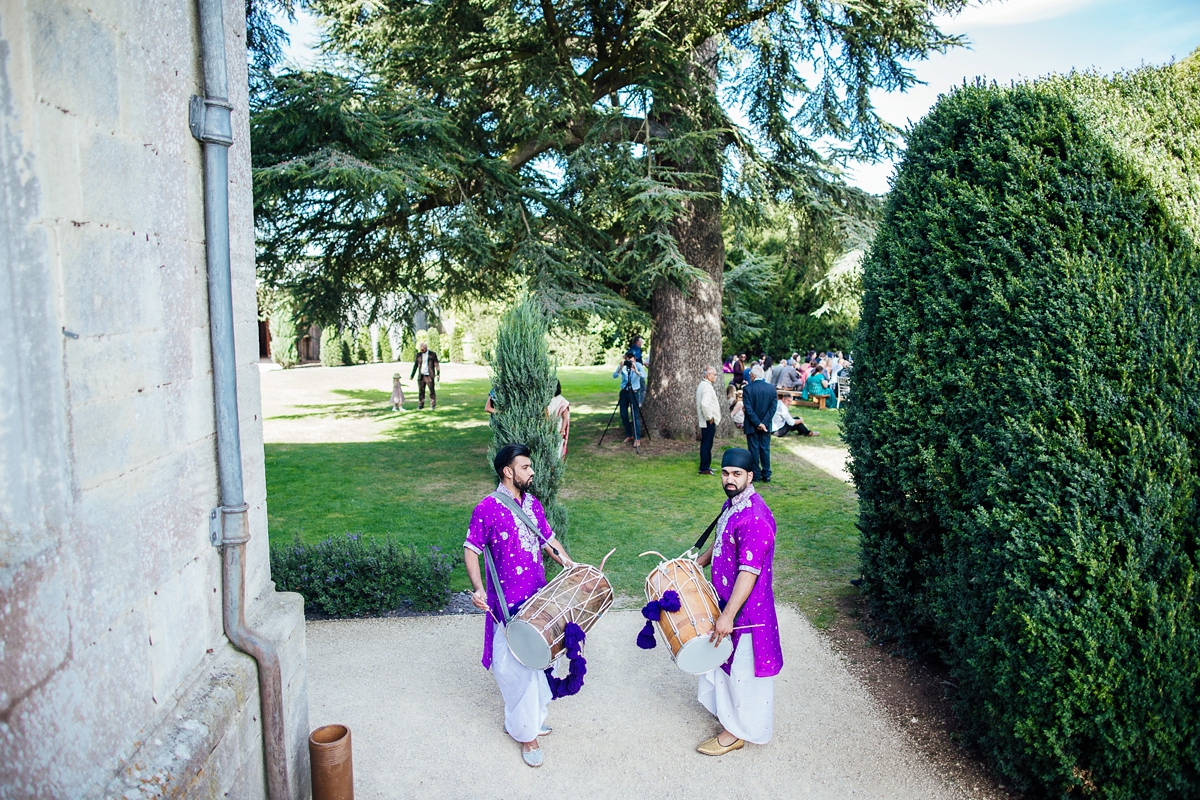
633 383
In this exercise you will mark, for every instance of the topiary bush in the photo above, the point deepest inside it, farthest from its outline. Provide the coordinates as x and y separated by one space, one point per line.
383 351
524 380
352 576
1026 419
331 347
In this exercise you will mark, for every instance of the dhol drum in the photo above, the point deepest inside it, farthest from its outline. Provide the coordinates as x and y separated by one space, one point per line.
687 630
579 594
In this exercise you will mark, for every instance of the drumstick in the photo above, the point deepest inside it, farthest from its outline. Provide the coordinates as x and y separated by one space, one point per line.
755 625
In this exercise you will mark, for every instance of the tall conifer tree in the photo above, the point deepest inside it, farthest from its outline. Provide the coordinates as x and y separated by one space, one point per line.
523 379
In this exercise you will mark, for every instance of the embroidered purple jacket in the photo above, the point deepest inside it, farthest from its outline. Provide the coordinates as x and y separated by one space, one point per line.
746 541
517 552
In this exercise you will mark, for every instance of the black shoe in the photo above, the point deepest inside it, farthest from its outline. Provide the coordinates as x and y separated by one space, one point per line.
766 480
707 472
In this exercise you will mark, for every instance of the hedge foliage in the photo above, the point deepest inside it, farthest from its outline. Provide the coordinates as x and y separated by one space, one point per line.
349 576
1026 423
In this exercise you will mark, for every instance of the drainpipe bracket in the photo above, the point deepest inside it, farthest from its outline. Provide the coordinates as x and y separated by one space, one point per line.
211 120
217 529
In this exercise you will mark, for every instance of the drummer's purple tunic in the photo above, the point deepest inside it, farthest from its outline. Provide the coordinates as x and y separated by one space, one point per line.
517 552
747 542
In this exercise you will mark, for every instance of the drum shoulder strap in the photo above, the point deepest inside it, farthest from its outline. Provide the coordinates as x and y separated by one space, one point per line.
704 536
495 579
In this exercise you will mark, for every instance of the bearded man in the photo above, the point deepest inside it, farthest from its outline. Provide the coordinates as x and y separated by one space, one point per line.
741 693
509 526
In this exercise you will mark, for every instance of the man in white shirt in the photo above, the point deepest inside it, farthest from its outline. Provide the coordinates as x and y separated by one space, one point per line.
784 423
708 411
426 365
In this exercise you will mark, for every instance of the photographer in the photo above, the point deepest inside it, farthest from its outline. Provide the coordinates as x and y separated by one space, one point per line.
633 383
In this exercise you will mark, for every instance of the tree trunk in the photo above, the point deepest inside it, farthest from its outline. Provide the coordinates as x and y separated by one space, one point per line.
687 329
687 325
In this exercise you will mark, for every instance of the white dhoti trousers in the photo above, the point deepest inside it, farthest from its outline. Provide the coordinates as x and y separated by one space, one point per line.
743 703
526 691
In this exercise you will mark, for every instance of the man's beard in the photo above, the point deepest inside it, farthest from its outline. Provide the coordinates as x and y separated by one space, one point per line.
523 487
734 492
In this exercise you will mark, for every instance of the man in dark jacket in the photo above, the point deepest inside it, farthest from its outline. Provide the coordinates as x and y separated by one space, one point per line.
427 367
759 401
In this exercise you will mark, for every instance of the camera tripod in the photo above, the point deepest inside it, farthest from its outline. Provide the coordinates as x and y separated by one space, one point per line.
639 422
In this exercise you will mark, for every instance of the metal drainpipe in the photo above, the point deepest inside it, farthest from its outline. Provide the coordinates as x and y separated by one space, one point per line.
229 527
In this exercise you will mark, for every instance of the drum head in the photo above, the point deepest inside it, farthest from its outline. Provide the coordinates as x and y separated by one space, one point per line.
527 644
699 656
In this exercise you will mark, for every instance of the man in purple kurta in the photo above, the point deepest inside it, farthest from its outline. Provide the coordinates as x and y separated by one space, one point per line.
741 693
516 551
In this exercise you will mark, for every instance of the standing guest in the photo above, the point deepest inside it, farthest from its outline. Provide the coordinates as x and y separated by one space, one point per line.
635 347
397 393
708 411
633 381
784 423
741 693
817 384
516 551
739 370
427 366
560 411
760 401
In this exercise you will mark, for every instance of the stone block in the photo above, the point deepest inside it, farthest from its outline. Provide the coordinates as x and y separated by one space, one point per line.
56 159
134 529
151 185
35 632
179 623
71 732
111 281
74 61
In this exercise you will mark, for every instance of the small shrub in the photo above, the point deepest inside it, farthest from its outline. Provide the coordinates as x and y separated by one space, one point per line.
347 339
435 341
454 351
408 346
352 576
331 347
384 350
363 351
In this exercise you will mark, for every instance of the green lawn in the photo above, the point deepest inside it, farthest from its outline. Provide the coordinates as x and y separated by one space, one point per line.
422 485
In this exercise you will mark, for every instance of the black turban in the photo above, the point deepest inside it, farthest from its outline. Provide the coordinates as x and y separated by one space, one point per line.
739 458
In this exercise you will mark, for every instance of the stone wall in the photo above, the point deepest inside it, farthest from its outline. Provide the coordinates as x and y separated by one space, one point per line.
115 675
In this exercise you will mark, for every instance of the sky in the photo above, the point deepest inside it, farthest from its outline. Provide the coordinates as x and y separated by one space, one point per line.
1008 41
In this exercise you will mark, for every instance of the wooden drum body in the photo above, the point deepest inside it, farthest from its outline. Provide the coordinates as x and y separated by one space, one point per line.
686 631
579 594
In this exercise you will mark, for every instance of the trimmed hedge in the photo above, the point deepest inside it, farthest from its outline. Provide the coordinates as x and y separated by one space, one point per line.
1026 419
349 576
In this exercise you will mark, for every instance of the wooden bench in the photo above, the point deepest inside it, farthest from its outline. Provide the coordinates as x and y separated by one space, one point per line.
818 401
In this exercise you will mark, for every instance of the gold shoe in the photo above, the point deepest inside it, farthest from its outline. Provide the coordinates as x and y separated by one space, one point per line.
713 747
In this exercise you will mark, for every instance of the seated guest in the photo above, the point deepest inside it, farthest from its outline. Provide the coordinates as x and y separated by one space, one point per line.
737 411
784 423
817 385
805 370
788 377
727 365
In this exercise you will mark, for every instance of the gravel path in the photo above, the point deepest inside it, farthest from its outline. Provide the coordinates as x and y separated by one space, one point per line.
426 721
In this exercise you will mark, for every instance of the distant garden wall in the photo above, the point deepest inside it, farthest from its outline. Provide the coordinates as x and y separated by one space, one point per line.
1025 429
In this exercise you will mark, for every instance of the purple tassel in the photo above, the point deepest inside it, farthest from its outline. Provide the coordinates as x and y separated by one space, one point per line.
670 602
652 610
573 636
646 639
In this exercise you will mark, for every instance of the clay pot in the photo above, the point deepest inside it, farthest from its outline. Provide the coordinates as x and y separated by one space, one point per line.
332 765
